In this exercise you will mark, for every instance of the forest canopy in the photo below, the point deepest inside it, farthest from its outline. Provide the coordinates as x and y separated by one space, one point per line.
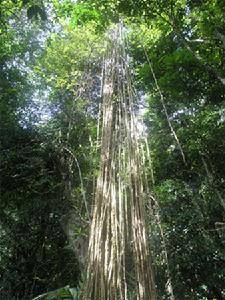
132 94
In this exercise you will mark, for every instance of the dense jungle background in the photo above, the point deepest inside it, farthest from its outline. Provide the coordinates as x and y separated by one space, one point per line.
51 56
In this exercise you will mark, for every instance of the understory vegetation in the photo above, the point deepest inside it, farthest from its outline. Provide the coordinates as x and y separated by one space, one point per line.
115 97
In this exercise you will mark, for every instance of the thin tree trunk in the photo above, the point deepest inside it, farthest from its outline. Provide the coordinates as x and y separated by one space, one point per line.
210 178
221 37
165 109
210 69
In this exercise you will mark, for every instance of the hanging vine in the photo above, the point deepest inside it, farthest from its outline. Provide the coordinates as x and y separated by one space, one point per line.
119 265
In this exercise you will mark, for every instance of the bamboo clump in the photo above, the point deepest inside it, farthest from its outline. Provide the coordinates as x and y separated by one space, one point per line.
119 265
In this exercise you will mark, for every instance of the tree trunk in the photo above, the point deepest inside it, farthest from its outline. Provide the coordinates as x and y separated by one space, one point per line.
119 265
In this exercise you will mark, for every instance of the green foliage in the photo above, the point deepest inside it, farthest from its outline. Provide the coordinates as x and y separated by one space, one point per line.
61 294
34 250
79 14
189 196
68 57
12 9
33 245
192 240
